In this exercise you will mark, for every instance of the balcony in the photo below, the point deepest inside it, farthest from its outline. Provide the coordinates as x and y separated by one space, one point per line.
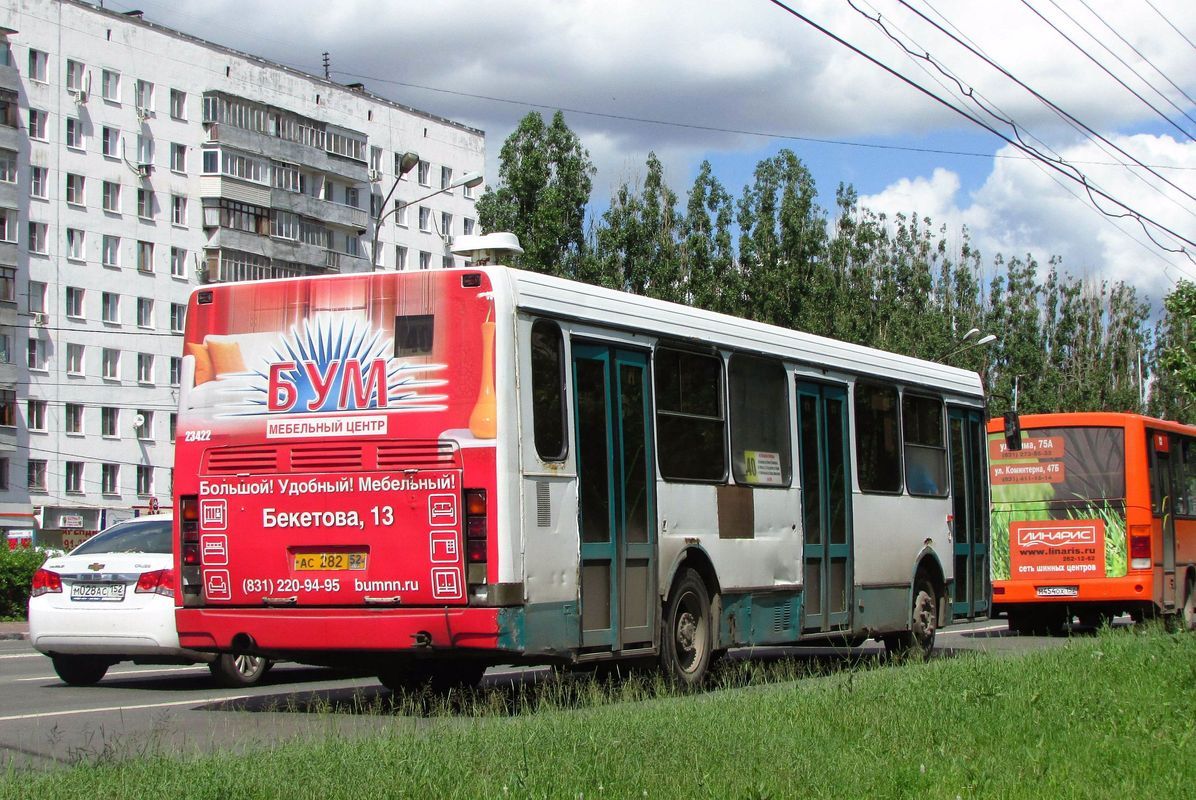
325 211
283 150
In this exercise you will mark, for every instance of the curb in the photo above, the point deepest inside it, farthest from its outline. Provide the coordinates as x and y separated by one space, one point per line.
15 635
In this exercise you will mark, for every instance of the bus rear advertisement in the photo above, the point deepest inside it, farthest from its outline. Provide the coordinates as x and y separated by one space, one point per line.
427 473
1092 517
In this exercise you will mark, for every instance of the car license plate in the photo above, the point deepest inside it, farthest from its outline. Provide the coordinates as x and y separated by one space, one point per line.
98 592
1058 591
323 562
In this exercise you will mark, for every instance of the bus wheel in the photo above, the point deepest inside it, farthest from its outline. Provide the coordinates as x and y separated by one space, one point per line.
685 645
918 641
1189 610
80 670
233 670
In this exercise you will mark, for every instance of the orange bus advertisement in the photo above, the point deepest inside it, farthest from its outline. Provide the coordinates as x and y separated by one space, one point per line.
1073 549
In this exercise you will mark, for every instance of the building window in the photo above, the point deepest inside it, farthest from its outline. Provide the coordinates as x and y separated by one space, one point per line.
467 226
38 62
446 223
145 256
425 259
143 96
284 225
8 225
74 302
74 134
178 104
37 297
109 421
3 474
145 479
111 254
690 419
446 178
74 359
145 150
424 170
178 209
5 347
178 317
36 355
38 182
286 176
466 190
74 75
110 307
74 477
110 142
8 166
425 219
400 257
145 312
174 425
8 285
36 475
178 262
176 370
74 418
145 368
110 85
352 197
38 123
759 412
8 408
400 213
237 216
37 238
877 437
75 189
145 427
111 197
110 478
35 415
145 204
111 364
446 262
74 244
178 157
925 446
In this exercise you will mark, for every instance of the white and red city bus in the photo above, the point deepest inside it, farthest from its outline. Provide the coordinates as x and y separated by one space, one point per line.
426 473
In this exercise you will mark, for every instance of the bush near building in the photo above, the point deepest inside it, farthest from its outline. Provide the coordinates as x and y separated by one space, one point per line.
16 576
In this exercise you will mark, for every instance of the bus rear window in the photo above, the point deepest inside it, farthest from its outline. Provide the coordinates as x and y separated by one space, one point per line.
413 335
1065 465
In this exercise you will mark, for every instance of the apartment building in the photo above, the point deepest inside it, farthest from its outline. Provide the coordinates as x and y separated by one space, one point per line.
137 162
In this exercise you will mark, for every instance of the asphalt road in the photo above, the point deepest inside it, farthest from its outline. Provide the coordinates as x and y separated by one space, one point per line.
144 709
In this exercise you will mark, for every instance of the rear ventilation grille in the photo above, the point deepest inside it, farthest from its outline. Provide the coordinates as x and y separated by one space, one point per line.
782 618
233 460
417 455
314 458
543 505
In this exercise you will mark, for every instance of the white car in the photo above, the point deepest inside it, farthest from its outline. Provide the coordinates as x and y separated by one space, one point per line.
111 599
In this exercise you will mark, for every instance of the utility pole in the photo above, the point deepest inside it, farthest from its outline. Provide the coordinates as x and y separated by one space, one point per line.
327 64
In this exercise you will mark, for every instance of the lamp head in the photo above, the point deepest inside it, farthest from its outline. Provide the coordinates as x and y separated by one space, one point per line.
407 162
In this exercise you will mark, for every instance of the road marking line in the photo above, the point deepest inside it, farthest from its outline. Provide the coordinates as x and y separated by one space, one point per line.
110 674
192 702
22 655
957 631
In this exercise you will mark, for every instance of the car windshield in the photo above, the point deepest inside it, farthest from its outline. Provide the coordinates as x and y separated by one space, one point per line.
134 536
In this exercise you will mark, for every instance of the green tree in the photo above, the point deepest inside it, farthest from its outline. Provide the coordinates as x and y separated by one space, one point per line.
707 251
545 177
1173 392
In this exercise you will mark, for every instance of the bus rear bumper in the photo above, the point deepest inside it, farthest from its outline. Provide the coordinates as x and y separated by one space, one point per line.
280 631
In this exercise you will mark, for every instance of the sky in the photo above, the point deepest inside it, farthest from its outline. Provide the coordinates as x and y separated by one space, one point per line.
735 82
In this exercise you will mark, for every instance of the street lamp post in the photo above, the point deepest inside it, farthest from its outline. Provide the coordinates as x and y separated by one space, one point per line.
469 179
966 343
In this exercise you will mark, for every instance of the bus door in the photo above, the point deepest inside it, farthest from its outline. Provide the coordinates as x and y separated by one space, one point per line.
825 464
616 513
970 511
1163 500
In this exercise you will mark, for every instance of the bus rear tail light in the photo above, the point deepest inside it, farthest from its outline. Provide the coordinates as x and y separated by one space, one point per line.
475 529
189 514
192 579
1140 547
160 581
46 582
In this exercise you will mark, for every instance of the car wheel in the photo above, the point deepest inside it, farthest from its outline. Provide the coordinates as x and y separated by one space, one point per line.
80 670
1189 610
685 642
233 670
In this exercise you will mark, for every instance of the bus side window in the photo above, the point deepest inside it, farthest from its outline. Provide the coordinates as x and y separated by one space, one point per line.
925 446
691 428
1185 473
759 412
548 390
877 446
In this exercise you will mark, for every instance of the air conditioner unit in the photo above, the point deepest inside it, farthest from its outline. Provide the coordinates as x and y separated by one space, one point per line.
375 176
138 421
145 170
80 96
40 319
144 113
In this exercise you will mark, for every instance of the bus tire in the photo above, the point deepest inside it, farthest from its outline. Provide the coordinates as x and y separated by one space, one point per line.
1189 609
233 670
80 670
686 640
918 641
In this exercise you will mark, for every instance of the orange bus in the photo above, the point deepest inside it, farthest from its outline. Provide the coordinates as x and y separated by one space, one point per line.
1093 517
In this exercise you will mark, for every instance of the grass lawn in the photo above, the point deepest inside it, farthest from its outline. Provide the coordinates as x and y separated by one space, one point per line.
1106 716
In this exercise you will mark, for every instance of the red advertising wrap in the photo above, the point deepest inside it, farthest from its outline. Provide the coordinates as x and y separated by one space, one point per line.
325 429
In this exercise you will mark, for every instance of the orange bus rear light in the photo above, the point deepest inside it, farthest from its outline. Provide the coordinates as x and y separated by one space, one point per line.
998 590
191 555
475 502
1140 547
475 550
189 508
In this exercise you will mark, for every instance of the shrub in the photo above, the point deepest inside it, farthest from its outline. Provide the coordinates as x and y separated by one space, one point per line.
16 576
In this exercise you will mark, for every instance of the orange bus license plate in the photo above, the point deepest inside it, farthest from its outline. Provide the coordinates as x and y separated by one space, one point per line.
317 562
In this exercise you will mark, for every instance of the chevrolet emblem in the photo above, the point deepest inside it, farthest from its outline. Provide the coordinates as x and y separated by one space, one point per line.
96 567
